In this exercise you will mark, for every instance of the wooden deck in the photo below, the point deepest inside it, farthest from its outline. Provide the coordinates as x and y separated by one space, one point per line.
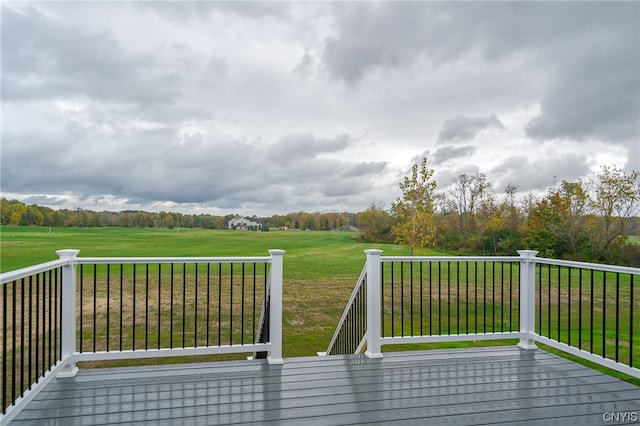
477 386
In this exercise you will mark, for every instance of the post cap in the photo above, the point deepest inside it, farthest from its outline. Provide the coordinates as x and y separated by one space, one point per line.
528 253
373 252
67 253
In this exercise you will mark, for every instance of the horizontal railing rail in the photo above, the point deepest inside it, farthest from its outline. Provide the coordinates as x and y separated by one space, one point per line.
168 260
587 265
30 271
98 308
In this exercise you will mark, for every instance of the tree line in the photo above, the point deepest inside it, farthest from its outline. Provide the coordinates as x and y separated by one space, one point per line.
589 220
14 212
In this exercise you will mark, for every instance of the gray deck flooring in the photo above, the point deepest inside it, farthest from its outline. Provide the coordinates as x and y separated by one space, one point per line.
457 387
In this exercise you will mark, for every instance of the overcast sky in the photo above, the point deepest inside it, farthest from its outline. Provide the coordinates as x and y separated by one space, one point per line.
271 107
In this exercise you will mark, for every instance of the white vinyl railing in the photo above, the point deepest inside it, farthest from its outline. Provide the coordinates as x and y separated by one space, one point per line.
584 309
79 309
590 311
89 309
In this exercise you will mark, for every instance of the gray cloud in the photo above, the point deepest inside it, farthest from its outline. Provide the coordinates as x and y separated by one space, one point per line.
44 58
452 152
201 10
44 200
390 35
300 146
587 54
595 95
363 169
387 34
160 165
539 175
373 35
461 128
254 105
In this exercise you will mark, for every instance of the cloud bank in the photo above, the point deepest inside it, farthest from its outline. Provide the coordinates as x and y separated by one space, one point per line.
270 107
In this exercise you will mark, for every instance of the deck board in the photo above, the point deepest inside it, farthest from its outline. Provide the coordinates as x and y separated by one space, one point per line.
460 386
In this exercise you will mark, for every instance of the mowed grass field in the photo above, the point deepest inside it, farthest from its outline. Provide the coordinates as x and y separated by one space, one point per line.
320 268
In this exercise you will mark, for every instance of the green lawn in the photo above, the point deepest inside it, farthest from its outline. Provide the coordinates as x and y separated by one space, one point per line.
332 253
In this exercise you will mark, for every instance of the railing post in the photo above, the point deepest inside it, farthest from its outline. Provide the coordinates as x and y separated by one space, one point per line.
373 304
275 308
68 320
527 298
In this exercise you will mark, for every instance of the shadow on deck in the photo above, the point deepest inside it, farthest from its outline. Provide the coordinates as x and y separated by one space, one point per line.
479 386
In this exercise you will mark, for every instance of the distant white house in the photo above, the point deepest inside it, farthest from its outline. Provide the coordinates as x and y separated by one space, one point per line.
242 223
